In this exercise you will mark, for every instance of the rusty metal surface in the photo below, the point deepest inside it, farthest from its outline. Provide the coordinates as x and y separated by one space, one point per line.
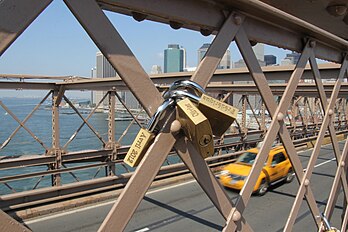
316 13
9 224
16 17
288 30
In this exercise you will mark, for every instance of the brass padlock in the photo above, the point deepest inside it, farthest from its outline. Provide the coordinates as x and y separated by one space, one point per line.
196 127
220 114
145 137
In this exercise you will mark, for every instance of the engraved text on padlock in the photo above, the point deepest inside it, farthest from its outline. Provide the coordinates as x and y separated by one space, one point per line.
220 114
138 149
196 127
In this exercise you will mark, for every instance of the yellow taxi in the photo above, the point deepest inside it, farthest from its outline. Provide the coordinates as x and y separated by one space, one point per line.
276 168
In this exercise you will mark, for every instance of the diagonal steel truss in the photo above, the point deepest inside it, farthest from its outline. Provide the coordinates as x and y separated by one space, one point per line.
235 26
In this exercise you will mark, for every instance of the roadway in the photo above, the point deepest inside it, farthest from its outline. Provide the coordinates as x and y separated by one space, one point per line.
185 207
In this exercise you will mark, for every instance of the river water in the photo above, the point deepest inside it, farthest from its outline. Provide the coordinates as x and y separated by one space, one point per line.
41 125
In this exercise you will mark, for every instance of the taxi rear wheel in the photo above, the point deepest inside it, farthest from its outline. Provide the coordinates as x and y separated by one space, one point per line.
263 188
290 176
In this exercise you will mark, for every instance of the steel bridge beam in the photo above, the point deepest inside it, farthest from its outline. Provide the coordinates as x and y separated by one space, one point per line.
202 15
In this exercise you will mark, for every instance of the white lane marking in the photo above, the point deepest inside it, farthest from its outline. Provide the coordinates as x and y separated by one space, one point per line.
318 165
143 230
112 202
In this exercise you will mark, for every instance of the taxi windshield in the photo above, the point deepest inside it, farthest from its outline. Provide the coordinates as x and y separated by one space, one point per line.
247 158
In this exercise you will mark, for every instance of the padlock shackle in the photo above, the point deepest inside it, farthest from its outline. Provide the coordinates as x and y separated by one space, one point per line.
326 222
199 90
180 94
155 118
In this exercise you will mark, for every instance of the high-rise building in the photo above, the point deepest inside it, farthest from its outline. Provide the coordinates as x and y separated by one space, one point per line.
103 70
174 58
225 62
259 50
291 58
259 53
201 51
156 69
239 64
270 60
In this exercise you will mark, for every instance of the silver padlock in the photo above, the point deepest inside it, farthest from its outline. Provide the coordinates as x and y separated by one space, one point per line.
185 85
145 136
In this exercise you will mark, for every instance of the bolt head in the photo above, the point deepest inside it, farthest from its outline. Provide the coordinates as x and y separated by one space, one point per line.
280 116
175 25
343 163
312 43
205 32
175 126
236 216
306 182
237 20
330 112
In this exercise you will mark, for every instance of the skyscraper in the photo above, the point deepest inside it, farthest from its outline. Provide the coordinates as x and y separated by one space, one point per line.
156 69
201 51
270 60
291 58
259 50
225 62
104 70
174 58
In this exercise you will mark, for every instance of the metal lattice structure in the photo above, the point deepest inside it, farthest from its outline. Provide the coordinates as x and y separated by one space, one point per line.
242 21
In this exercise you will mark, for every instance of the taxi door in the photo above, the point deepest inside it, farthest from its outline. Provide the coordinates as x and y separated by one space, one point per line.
277 167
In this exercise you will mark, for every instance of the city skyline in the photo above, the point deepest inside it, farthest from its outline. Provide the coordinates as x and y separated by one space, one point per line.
55 44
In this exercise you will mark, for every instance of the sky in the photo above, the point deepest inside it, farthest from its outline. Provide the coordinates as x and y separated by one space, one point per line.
55 44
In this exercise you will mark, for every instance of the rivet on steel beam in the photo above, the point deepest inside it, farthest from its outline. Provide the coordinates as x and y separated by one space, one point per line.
330 112
113 88
175 25
139 16
236 216
312 43
205 32
252 43
280 116
306 182
343 163
337 10
237 19
175 126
